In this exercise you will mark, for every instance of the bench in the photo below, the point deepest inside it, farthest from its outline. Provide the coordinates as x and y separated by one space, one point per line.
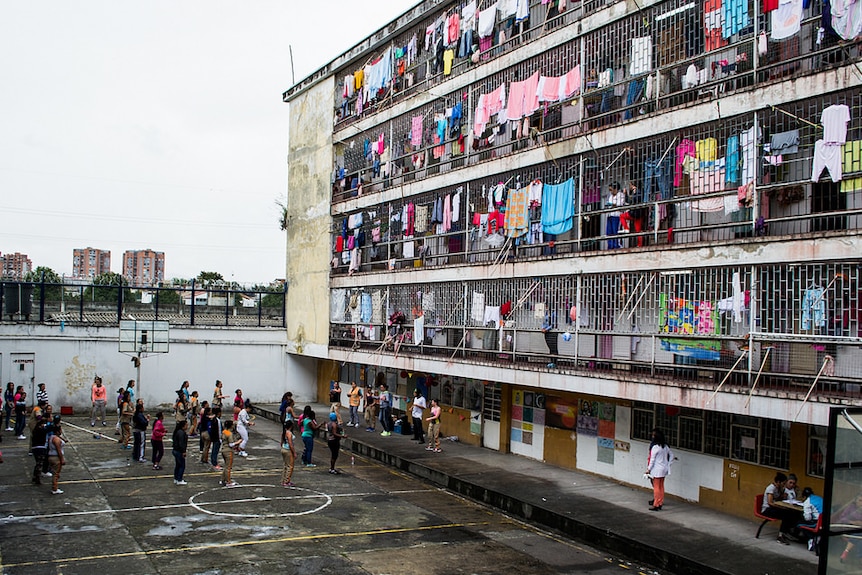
758 504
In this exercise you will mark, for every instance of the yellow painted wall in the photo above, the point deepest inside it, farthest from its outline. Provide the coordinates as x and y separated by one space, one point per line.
451 423
326 371
308 220
743 481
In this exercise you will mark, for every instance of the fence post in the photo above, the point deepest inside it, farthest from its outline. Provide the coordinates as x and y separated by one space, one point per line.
120 302
42 298
284 306
192 311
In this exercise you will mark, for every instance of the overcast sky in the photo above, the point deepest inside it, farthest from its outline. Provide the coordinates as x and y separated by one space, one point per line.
158 124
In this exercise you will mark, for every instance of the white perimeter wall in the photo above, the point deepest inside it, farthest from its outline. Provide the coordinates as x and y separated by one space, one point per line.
252 359
689 473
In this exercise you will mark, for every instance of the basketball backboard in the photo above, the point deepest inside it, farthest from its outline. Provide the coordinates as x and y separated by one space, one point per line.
138 336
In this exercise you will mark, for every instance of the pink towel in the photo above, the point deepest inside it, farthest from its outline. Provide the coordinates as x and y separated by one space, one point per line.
570 83
496 100
416 131
549 89
523 98
531 94
480 118
515 110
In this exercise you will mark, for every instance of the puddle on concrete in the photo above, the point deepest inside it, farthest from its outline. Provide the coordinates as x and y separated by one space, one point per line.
64 529
175 525
109 464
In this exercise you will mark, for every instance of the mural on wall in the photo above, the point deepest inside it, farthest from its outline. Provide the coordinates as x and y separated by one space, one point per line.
690 317
528 414
607 430
588 418
561 413
598 419
475 423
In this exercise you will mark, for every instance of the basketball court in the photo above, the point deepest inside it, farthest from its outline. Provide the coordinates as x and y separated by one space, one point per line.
120 516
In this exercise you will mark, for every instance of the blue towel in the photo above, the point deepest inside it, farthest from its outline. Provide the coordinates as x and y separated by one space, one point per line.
558 207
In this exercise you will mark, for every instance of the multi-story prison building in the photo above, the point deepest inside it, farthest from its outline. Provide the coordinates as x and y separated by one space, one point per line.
573 222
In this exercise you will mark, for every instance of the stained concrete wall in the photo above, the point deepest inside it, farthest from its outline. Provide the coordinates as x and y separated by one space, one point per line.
308 239
251 359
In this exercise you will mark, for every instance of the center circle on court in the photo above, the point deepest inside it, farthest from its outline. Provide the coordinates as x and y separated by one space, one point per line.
259 501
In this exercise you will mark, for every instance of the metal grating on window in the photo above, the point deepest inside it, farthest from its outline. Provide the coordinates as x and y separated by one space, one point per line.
716 440
643 416
666 419
691 434
775 443
764 442
492 404
744 441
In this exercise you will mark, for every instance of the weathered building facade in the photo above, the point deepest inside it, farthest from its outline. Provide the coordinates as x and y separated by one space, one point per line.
573 223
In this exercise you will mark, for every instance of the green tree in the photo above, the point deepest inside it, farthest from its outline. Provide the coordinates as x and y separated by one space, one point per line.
168 297
105 288
206 279
53 283
274 300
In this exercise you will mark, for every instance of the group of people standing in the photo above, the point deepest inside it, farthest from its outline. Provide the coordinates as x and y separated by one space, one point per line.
46 432
15 401
217 435
378 408
193 418
308 426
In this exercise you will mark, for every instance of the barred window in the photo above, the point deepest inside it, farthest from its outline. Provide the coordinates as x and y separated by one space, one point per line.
744 437
717 435
691 433
759 441
492 402
666 419
643 415
775 446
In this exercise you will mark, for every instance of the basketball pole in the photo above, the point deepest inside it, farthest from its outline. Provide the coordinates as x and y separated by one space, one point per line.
138 375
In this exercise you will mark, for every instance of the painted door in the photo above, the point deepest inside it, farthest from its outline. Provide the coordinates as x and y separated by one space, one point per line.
23 372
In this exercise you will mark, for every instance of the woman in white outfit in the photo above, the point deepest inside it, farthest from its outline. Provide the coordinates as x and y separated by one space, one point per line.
658 467
242 424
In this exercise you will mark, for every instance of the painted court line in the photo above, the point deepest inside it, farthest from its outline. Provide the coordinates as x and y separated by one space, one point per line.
199 548
315 495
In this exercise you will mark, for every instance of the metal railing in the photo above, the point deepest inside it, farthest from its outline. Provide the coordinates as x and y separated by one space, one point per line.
78 304
787 327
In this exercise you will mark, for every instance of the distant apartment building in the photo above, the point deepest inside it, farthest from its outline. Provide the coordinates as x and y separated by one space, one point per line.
144 267
15 265
90 262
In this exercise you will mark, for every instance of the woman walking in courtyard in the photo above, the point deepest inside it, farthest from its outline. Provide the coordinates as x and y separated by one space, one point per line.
180 444
434 428
288 454
157 440
229 443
